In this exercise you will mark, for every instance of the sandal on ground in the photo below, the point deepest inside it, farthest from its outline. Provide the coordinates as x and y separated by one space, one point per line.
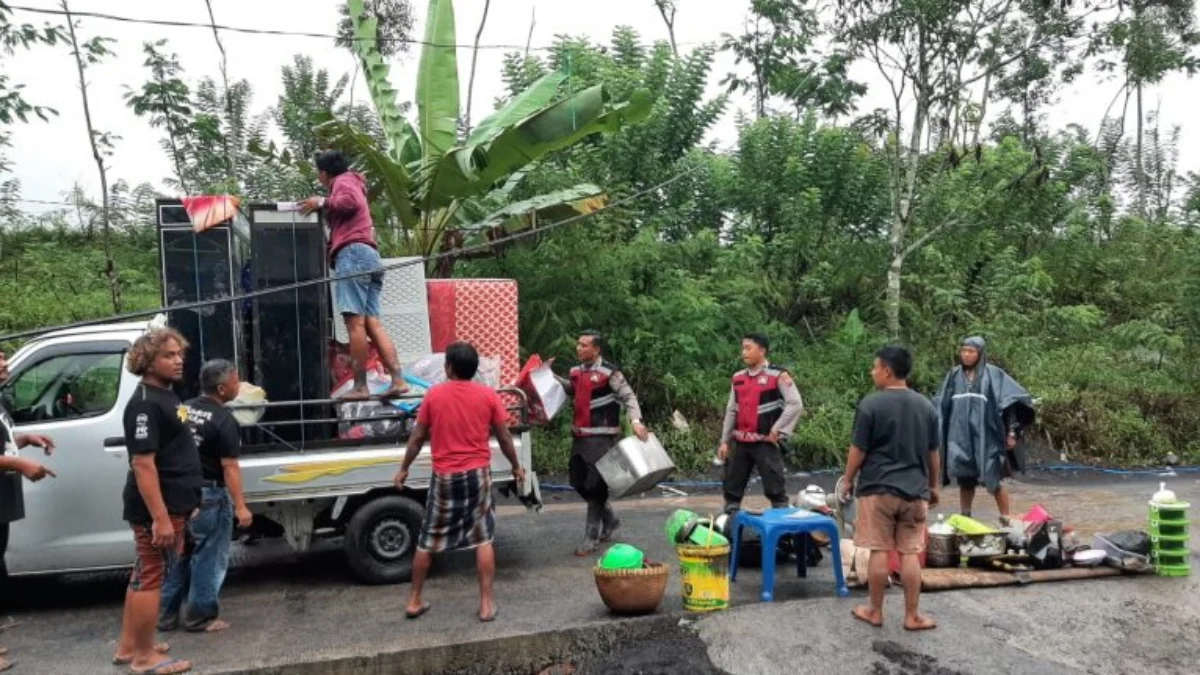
168 667
160 647
417 614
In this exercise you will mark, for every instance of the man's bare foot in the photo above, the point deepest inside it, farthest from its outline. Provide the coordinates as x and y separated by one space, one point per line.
216 626
356 394
487 610
5 664
919 622
868 615
397 390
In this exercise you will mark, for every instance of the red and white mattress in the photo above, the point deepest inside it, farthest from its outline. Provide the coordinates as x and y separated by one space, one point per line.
480 311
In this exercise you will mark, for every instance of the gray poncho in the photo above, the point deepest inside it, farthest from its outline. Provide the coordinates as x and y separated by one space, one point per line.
975 417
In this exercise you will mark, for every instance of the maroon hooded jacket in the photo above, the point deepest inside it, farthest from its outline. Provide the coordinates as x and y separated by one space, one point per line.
348 214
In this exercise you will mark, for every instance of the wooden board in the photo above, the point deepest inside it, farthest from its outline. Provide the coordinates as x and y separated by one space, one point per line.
965 577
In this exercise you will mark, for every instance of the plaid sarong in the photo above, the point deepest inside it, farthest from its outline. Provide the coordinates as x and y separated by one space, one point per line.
459 513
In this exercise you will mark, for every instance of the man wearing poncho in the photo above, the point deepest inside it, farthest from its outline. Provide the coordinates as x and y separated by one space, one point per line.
982 413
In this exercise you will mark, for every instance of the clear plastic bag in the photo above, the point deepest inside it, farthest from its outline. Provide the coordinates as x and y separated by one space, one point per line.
432 369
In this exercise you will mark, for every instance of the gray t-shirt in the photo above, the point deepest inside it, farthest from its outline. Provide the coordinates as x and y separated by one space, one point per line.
897 429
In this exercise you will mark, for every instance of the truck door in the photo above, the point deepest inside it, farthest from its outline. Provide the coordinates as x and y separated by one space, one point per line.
72 392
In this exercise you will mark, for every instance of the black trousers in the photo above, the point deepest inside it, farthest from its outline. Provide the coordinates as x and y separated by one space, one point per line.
3 551
587 481
742 460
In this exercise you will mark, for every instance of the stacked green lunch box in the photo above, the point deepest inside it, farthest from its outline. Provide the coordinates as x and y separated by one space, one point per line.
1169 538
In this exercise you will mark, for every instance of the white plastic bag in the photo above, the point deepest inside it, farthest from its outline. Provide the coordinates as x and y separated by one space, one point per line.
432 369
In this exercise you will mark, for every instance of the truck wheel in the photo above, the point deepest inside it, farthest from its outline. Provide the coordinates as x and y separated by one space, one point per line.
381 539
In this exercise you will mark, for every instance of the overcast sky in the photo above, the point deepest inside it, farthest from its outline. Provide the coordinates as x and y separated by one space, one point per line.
50 157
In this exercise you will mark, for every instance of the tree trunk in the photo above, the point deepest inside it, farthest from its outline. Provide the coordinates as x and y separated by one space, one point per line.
231 168
905 191
110 267
667 10
1139 164
893 296
474 59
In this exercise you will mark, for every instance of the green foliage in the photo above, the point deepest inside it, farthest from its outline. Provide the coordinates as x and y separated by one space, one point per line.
1074 254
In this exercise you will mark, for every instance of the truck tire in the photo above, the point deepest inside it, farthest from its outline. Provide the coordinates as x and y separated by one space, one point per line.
381 539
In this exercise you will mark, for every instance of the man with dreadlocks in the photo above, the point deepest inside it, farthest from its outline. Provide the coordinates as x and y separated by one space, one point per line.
982 412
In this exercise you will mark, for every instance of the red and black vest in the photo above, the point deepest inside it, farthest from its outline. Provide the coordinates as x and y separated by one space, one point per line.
597 411
759 403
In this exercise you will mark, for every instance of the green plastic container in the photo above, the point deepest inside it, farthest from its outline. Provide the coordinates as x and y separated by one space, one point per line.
1168 529
622 557
968 525
1171 558
1173 570
703 535
676 523
1176 512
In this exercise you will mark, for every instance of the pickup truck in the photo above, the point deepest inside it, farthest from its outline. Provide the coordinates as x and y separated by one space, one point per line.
72 385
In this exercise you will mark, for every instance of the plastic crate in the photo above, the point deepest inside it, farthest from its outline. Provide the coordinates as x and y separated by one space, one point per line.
1171 558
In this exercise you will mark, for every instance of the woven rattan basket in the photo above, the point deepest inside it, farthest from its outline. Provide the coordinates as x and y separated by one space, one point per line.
632 592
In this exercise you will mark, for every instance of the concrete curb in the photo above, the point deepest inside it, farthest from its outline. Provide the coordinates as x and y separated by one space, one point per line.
524 654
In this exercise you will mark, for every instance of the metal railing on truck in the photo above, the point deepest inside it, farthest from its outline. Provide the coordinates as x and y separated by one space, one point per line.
262 436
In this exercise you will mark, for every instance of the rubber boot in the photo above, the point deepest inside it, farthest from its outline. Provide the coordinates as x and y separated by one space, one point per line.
611 523
591 533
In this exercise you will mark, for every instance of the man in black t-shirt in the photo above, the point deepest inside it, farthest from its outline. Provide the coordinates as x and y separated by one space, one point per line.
161 491
894 456
198 576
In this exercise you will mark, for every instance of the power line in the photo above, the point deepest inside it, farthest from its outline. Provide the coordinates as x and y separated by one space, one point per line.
516 236
281 33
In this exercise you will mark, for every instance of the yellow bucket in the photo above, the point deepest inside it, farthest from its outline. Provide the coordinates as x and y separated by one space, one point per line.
704 571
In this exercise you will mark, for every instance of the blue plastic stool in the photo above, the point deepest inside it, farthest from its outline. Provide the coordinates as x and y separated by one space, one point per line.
775 523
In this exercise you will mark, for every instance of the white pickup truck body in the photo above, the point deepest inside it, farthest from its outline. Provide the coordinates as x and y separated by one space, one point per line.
72 386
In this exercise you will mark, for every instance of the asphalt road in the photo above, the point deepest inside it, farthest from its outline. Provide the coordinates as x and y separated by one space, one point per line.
307 614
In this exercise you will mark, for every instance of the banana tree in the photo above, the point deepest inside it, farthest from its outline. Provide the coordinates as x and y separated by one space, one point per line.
447 191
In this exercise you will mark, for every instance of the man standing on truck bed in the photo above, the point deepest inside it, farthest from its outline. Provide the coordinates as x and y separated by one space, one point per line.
12 469
197 577
458 418
764 406
161 491
600 390
352 250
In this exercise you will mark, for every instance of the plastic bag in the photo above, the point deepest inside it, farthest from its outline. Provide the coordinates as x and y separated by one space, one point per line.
1131 541
432 369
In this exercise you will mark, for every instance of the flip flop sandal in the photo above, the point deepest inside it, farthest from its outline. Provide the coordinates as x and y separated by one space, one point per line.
168 667
161 648
417 614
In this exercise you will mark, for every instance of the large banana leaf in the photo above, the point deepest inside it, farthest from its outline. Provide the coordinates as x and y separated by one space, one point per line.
401 140
533 99
551 206
437 81
472 170
385 177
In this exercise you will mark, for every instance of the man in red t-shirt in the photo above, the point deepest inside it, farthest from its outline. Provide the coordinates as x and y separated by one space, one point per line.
458 417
